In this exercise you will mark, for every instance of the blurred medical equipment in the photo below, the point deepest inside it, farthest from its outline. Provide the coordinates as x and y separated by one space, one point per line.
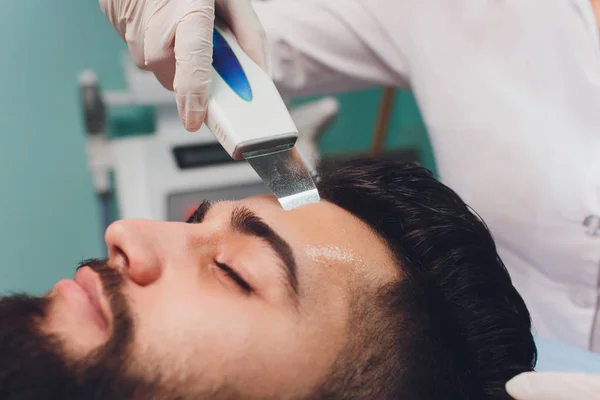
166 173
94 113
249 118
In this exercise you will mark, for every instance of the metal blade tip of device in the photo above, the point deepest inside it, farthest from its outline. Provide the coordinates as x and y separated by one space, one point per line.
285 174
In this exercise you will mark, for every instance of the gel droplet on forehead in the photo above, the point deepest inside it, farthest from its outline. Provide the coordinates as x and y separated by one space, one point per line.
329 253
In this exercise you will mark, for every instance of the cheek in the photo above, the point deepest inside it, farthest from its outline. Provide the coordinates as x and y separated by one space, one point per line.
208 329
189 319
220 336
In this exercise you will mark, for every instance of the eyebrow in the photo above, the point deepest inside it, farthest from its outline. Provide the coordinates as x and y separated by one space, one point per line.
245 221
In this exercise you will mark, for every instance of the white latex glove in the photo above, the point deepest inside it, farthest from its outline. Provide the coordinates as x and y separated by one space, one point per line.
173 39
554 386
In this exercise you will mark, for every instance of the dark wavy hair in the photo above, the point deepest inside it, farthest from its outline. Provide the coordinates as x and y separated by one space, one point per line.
453 326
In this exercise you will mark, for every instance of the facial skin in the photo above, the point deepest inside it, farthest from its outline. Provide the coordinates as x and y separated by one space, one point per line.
596 7
196 328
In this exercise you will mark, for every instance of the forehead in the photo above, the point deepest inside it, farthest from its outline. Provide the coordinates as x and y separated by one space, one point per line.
327 241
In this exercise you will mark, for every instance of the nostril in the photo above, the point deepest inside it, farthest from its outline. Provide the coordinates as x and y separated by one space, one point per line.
119 260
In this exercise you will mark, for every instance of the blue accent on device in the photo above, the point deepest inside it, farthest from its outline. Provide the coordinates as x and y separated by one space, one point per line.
229 68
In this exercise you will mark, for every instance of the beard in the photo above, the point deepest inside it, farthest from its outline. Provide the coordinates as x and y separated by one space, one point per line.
33 364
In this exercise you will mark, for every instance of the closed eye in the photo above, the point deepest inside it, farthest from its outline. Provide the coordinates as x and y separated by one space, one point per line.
235 277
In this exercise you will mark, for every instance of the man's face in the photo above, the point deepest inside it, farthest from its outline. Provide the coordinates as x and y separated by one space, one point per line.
249 300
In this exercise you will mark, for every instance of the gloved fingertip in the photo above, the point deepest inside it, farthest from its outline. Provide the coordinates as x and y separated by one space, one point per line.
192 120
190 126
192 110
519 387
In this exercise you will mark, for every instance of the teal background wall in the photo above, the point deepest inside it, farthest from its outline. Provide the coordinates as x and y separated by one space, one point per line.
49 217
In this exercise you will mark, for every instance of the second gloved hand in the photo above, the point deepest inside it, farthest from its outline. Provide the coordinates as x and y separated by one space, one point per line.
554 386
173 39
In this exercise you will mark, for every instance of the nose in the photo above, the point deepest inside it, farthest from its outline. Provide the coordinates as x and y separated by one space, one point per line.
137 248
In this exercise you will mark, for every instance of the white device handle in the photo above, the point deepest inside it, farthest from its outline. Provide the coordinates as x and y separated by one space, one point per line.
245 110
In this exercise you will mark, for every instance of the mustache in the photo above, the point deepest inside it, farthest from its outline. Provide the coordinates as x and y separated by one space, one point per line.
93 263
112 279
112 282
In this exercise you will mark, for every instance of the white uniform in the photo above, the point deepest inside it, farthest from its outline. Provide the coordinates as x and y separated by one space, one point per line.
510 93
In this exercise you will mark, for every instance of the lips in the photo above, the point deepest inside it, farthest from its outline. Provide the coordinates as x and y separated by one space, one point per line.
90 282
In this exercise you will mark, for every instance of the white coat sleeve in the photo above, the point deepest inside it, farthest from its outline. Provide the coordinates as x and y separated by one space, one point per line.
325 46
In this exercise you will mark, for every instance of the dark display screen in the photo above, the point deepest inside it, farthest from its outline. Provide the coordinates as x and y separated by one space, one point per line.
204 155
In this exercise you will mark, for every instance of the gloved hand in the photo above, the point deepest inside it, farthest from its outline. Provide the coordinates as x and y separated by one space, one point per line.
554 386
173 39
